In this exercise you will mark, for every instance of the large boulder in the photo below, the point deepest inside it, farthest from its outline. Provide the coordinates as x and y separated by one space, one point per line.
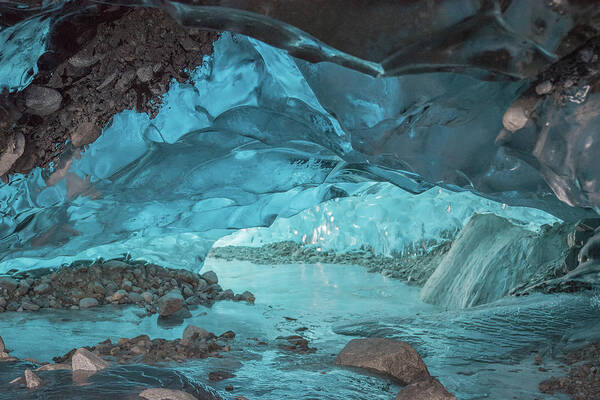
192 332
170 303
387 356
32 380
429 389
84 360
42 100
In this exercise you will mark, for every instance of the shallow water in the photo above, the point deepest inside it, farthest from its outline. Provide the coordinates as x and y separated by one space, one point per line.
486 352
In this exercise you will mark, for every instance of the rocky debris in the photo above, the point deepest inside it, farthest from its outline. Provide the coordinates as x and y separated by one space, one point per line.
84 360
429 389
414 267
54 367
32 380
210 277
295 343
87 284
2 345
583 379
4 353
387 356
125 58
166 394
217 376
196 343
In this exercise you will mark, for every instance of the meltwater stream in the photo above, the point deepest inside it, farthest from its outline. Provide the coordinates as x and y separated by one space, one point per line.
478 353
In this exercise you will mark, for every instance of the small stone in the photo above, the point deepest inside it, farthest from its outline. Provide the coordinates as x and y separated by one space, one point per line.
9 284
210 277
192 300
147 296
170 303
127 285
42 100
543 88
145 74
514 118
217 376
32 380
226 295
42 288
166 394
134 297
248 297
88 302
119 295
84 360
12 152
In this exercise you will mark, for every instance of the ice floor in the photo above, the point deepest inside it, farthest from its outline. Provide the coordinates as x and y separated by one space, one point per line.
486 352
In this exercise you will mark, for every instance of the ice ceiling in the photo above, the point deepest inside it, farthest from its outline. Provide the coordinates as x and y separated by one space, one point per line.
498 98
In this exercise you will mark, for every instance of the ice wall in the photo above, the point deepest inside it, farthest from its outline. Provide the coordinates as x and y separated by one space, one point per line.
490 257
386 219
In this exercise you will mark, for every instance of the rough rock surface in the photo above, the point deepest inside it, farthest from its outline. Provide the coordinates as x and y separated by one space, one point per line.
84 360
125 59
387 356
170 303
429 389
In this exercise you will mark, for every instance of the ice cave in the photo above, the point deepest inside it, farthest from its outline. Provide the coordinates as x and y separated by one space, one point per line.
302 199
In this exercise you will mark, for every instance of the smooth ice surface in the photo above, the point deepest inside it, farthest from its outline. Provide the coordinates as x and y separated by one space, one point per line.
247 140
21 45
386 219
484 352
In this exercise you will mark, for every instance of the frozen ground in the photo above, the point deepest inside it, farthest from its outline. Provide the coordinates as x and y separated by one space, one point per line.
484 352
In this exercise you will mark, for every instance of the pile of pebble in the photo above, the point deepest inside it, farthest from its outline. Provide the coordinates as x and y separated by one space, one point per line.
83 285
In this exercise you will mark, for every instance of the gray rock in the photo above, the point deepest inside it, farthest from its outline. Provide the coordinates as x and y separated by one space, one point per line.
88 302
429 389
9 284
28 306
42 100
135 297
247 296
147 296
42 288
84 360
210 277
226 295
32 380
145 74
192 332
166 394
387 356
2 346
170 303
119 295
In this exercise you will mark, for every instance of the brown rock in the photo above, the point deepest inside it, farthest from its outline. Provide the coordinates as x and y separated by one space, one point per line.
170 303
429 389
387 356
88 302
84 133
165 394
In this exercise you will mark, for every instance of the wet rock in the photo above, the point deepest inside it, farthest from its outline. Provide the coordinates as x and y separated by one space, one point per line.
226 295
217 376
147 296
54 367
430 389
29 306
166 394
84 360
387 356
145 73
119 295
9 284
295 343
248 297
192 332
88 302
170 303
210 277
42 288
32 380
42 100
